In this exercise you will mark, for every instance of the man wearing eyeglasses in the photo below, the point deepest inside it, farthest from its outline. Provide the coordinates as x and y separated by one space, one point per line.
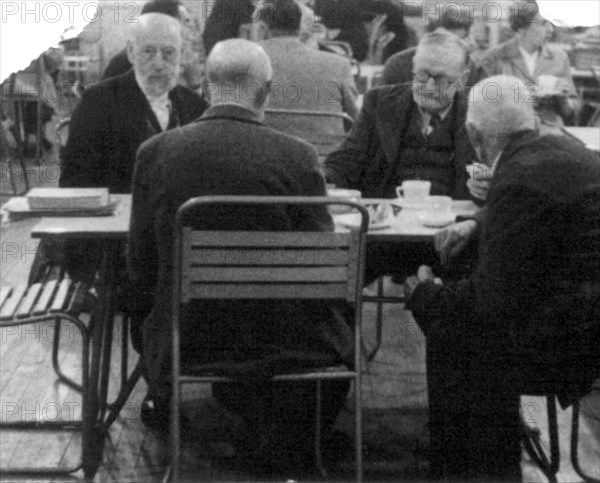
410 132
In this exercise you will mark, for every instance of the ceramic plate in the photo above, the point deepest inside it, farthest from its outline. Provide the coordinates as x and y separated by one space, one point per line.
436 221
352 220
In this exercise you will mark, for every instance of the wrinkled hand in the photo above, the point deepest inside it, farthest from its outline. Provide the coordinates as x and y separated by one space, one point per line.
450 241
424 274
479 180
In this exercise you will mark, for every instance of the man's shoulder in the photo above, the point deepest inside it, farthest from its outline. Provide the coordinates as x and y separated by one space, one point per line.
402 57
382 96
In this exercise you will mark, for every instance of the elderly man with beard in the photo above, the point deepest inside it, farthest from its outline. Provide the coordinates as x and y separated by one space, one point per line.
110 123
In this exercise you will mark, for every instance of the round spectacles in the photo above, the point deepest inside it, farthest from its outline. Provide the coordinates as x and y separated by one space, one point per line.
423 77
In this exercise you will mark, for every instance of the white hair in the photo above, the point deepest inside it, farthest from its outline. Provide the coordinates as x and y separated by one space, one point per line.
500 106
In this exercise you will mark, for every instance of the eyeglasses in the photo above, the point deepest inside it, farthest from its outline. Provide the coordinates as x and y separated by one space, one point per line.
423 77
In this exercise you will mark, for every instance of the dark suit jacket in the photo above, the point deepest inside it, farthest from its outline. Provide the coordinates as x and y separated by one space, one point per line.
108 126
366 160
227 151
117 66
534 300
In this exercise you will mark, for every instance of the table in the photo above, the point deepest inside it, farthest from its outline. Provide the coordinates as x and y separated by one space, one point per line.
590 136
112 232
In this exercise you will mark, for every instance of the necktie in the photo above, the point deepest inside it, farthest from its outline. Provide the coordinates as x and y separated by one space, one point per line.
434 123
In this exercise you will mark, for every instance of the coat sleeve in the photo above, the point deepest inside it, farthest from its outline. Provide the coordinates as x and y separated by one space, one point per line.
349 92
142 254
84 163
310 182
345 166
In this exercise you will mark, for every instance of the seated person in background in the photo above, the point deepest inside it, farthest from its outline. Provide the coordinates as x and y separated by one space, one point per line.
190 68
409 132
115 116
398 68
23 86
305 78
225 20
530 312
230 152
528 57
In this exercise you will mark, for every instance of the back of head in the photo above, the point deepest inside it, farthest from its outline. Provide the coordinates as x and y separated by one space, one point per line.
522 14
452 18
282 17
167 7
500 107
238 71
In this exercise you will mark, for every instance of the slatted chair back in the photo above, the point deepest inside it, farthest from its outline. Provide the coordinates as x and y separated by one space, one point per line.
268 265
324 130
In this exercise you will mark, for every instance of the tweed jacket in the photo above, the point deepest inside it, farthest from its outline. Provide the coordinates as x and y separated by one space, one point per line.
367 159
228 152
533 301
108 126
305 78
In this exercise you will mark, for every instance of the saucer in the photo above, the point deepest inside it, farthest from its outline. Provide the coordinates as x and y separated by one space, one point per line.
435 220
417 204
352 220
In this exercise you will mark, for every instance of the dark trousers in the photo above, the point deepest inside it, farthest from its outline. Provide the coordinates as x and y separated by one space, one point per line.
280 417
473 408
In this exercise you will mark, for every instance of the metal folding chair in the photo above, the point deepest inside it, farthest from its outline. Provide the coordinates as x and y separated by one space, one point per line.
55 300
326 266
550 464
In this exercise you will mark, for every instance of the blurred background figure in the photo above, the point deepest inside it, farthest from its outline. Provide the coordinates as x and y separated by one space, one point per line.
226 19
374 29
33 91
544 68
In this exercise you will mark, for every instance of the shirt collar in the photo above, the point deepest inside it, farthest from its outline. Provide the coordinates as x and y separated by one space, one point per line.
426 116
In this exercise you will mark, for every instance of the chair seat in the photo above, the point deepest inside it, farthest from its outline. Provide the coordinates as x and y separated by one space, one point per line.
21 303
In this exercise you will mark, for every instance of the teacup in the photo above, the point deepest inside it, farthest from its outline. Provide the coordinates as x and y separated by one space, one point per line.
414 190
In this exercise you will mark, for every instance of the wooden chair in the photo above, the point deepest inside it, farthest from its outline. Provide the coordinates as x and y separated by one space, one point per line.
326 266
300 123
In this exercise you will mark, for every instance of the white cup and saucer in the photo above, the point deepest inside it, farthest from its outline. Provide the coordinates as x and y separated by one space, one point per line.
413 194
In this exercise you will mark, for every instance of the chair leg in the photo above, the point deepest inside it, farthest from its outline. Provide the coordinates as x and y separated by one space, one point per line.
358 426
553 429
55 347
534 447
318 430
575 446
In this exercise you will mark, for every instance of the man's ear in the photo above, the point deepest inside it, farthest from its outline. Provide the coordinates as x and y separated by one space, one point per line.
130 51
263 94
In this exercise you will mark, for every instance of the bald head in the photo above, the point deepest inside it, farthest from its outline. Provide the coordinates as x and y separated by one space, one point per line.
499 107
154 50
238 71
